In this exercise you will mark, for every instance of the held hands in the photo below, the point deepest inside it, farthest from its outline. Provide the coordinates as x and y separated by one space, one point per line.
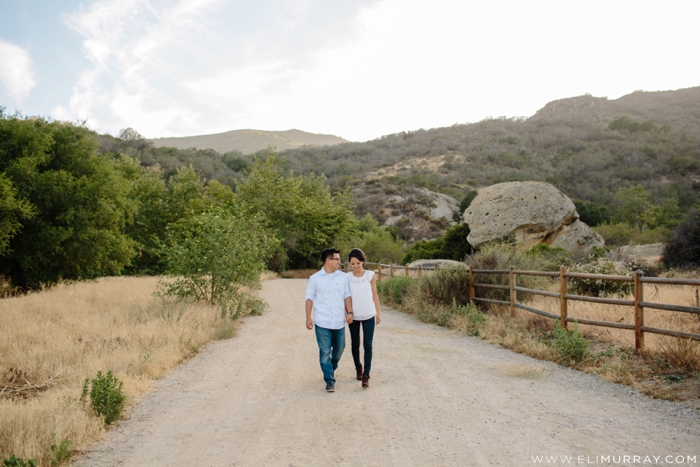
348 317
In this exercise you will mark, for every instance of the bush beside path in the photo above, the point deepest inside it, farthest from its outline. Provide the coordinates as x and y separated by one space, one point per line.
436 398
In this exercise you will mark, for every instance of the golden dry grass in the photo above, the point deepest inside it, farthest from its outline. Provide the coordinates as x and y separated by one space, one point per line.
72 331
676 321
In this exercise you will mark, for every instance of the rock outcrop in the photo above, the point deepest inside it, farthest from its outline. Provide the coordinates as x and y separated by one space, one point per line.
529 213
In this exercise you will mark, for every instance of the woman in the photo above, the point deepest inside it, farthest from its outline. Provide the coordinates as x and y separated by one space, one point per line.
365 304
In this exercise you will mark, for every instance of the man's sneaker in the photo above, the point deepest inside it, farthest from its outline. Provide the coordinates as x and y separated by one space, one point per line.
359 373
365 381
330 386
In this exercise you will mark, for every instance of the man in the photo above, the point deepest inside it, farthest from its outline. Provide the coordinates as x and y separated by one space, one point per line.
328 297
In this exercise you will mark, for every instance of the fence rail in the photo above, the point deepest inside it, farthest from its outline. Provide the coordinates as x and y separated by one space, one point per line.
638 303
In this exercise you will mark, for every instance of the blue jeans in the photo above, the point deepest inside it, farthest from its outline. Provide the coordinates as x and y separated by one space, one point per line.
331 343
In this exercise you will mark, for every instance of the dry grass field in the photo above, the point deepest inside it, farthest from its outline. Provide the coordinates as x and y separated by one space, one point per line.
53 340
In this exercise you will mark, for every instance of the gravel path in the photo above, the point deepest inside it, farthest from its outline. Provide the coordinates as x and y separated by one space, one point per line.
436 398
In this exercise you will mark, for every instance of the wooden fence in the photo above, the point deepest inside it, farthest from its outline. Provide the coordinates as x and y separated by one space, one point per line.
388 270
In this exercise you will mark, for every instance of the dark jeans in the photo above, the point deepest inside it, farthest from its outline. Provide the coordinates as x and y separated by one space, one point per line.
331 343
368 334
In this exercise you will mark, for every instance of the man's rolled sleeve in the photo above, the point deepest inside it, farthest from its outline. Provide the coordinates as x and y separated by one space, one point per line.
311 290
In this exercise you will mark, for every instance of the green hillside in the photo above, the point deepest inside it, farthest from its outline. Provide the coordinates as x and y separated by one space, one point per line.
586 146
249 141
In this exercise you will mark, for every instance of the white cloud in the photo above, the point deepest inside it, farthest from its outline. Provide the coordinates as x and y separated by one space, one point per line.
364 68
16 71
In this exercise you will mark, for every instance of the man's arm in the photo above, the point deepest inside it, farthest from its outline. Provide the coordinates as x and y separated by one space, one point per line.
309 309
348 310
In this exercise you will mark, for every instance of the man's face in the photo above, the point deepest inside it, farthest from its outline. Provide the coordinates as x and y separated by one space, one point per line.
333 262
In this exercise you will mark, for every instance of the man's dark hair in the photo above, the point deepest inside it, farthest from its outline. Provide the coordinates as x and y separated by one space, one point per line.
357 253
328 252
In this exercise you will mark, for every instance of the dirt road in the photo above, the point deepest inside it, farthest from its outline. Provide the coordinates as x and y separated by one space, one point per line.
435 399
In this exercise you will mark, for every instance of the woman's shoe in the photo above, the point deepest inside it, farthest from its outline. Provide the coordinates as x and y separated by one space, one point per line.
365 381
359 372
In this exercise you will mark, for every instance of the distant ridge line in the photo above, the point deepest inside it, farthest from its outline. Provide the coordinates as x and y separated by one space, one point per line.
249 141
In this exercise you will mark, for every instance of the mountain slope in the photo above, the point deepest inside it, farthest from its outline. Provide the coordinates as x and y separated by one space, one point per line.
249 141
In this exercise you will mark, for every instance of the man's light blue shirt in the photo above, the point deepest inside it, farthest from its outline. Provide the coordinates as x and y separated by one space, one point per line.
328 292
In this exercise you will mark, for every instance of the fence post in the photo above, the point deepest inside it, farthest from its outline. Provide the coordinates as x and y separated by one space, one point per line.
406 274
379 272
471 284
418 271
513 296
563 311
391 270
638 312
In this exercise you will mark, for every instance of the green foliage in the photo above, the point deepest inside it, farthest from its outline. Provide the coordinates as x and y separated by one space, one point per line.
627 124
632 202
13 461
453 245
210 256
570 344
621 234
683 247
467 201
161 204
445 286
79 200
592 213
378 243
600 287
394 288
425 249
12 212
106 396
242 303
60 451
300 211
475 319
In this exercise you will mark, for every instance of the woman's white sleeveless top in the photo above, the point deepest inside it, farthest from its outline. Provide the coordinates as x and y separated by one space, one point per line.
361 291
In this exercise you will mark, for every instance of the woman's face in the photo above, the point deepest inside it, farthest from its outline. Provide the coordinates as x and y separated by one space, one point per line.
356 264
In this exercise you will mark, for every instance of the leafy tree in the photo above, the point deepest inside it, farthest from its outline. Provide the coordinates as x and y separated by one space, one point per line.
456 246
12 212
378 243
80 200
683 247
632 202
212 255
162 203
425 249
592 213
301 211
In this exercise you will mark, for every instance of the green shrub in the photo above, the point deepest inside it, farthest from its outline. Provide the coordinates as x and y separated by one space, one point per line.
18 462
106 396
600 287
243 303
211 256
571 346
445 286
394 288
683 248
60 452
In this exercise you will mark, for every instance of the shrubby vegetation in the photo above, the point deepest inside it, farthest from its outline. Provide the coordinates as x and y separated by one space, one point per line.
683 248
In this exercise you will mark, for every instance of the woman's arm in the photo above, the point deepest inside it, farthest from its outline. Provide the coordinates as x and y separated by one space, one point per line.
375 298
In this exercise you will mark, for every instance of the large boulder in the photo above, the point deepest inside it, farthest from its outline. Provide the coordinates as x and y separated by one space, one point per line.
529 213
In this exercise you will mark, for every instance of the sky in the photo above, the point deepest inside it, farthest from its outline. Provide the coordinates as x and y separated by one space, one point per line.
359 69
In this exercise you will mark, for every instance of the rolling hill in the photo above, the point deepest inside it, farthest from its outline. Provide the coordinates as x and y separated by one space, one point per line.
249 141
